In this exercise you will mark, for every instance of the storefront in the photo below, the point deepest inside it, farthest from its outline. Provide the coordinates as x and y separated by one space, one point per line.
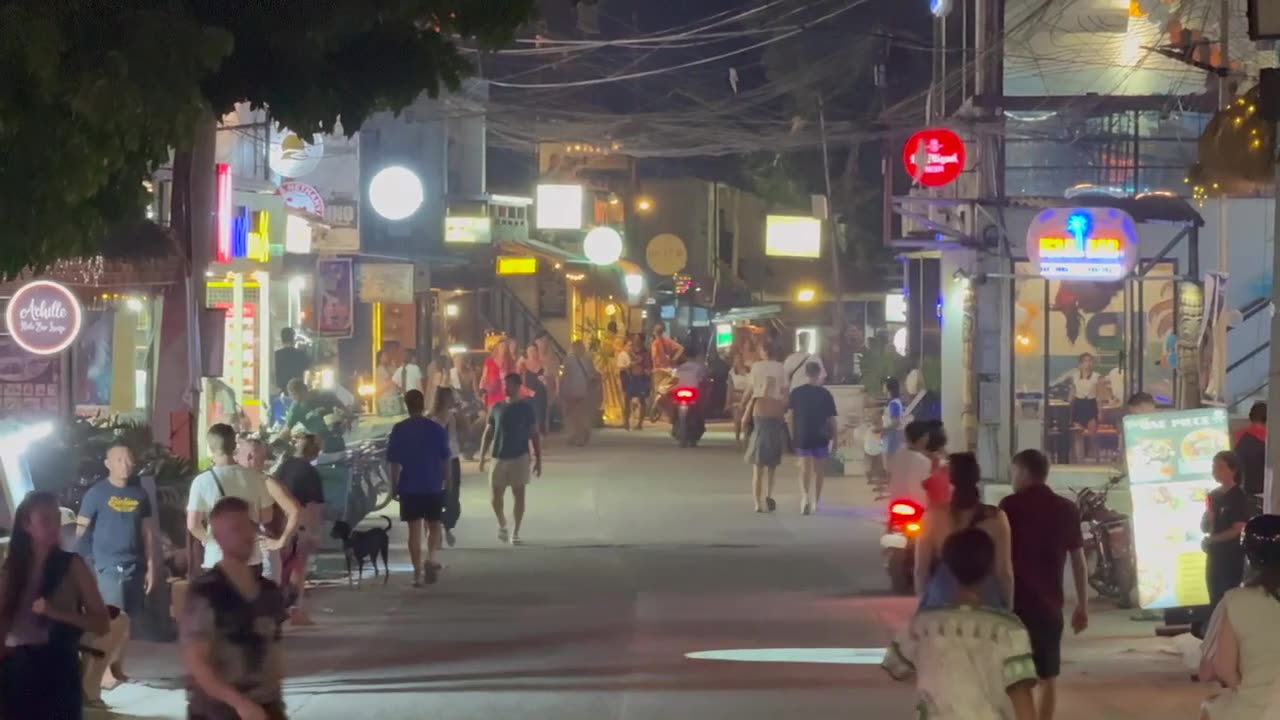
1091 326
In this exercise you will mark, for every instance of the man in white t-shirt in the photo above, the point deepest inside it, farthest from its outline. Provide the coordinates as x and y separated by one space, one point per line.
226 478
409 375
911 466
793 366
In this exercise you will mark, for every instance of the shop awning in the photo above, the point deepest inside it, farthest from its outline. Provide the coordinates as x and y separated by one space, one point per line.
546 250
748 314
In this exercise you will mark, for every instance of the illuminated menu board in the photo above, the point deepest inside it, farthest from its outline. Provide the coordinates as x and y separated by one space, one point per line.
1169 456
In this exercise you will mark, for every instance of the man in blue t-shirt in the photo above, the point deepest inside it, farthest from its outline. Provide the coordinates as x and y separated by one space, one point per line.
418 451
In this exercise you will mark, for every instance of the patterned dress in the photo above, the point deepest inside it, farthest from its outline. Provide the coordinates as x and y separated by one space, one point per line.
964 660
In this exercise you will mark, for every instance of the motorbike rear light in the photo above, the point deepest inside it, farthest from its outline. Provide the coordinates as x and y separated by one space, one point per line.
912 528
901 510
686 394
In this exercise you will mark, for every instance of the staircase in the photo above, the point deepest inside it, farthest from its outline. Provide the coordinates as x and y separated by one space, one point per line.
1249 369
507 313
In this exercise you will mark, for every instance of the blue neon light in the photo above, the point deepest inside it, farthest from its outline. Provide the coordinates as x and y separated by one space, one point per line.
1079 225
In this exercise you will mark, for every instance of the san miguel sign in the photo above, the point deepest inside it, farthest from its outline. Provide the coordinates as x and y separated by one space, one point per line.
934 157
44 317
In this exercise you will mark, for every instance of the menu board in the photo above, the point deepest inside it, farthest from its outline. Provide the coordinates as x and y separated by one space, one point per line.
1170 461
31 386
553 296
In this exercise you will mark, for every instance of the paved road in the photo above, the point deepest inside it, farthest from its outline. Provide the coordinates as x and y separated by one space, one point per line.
637 555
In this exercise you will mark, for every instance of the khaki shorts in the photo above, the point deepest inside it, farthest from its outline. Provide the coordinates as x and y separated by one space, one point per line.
513 473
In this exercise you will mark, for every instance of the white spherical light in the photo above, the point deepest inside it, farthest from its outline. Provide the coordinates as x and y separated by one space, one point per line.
603 246
395 192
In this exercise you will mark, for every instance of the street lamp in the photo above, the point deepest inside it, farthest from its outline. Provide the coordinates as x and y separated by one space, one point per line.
644 204
602 246
806 295
396 192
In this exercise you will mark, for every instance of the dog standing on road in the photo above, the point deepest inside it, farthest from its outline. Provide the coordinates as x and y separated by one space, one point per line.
361 544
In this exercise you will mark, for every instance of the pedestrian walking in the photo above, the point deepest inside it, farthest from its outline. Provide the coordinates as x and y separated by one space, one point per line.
764 413
739 382
497 366
893 422
1229 508
578 387
795 366
636 366
444 411
48 599
813 429
229 632
118 537
1239 653
934 583
533 371
418 451
280 528
511 431
968 659
298 474
226 478
1045 531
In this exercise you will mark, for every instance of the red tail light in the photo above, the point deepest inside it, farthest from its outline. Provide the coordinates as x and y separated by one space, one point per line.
686 394
902 510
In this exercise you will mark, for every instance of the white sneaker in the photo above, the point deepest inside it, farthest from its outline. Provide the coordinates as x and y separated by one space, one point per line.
502 535
449 538
515 539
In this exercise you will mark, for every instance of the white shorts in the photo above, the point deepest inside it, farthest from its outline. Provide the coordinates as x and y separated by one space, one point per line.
513 473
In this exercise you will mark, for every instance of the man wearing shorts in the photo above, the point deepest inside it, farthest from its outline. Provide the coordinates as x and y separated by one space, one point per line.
418 451
512 429
813 427
1045 529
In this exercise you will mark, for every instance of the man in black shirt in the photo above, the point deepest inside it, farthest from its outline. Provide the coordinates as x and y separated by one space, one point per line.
1229 509
1251 446
299 475
290 362
813 427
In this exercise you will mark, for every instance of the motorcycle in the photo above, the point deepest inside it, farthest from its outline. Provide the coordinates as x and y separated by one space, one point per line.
688 425
1108 550
898 544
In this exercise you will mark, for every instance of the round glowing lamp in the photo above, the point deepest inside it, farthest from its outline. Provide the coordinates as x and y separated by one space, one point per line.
396 192
603 246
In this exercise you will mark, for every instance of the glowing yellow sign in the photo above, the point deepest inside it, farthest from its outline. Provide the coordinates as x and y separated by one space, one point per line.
512 265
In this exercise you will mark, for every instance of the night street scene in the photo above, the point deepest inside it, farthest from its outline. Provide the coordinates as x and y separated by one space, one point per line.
639 359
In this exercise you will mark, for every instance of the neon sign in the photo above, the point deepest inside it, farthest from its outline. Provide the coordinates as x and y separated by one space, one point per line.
934 157
1083 244
222 236
43 317
251 234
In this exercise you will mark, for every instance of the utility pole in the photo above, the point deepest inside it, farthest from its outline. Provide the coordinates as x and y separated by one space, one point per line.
1219 323
837 287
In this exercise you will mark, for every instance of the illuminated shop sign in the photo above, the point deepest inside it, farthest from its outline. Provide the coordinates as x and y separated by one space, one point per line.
222 231
251 234
934 157
1083 244
515 265
43 317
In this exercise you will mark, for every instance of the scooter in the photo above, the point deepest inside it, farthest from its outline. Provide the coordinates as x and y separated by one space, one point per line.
1107 545
688 425
898 545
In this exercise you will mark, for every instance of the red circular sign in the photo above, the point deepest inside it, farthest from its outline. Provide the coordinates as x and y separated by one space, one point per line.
43 317
934 157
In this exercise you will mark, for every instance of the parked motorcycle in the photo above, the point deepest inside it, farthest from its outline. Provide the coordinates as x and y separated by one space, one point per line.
689 424
1108 548
898 544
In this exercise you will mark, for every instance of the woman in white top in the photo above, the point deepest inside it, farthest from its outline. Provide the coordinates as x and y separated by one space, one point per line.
739 382
444 410
1239 651
1084 405
763 415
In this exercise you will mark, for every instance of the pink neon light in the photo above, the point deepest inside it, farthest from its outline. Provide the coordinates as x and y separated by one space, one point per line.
222 250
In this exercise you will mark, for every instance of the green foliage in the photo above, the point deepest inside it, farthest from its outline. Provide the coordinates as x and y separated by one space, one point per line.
95 96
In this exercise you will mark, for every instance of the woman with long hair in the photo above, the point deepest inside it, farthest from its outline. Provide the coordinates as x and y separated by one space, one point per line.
444 410
1229 508
1239 651
894 418
533 371
935 585
48 599
496 368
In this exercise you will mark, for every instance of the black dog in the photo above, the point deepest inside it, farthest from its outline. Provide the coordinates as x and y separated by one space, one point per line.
361 544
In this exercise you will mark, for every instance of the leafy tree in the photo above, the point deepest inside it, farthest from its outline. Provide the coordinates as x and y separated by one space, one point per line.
95 96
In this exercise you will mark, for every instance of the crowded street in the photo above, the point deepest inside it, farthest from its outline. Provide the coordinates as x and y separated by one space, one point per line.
637 554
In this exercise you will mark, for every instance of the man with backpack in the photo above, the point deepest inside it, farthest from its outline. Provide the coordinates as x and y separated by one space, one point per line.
793 366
